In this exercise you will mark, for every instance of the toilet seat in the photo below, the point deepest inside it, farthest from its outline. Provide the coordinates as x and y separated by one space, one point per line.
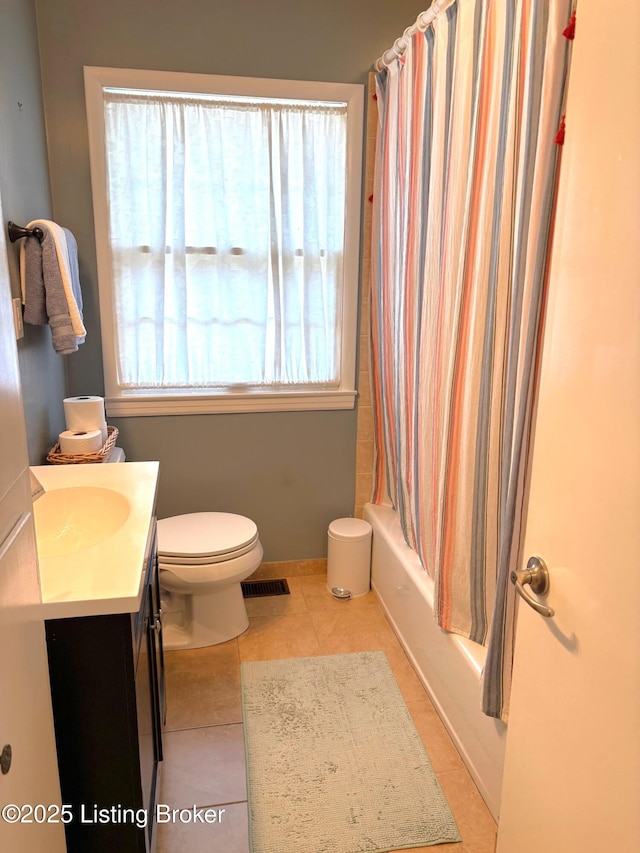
203 538
208 559
206 573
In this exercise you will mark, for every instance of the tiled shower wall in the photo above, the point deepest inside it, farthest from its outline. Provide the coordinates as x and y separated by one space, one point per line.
364 446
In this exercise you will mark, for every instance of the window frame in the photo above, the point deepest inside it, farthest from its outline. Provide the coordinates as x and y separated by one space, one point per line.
122 404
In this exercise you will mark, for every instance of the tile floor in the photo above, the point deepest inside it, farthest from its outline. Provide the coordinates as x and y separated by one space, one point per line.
204 749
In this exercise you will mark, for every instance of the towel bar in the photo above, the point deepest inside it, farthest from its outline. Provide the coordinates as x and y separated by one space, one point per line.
16 232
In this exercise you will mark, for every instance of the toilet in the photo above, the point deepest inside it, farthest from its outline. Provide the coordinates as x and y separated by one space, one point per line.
202 559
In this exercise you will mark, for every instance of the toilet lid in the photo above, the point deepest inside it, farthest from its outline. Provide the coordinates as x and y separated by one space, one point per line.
204 534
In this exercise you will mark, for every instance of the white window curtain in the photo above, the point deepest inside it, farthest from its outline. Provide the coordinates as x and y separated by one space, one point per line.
226 220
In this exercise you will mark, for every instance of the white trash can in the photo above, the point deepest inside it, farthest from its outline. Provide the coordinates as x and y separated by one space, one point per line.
349 558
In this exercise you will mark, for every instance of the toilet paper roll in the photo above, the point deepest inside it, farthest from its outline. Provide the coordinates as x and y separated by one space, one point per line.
76 442
85 414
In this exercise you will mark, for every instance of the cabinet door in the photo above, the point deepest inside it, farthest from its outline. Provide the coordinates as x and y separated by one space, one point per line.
97 720
145 700
159 681
150 689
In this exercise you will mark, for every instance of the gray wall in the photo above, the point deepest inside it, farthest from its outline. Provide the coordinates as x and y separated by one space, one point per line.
24 187
291 472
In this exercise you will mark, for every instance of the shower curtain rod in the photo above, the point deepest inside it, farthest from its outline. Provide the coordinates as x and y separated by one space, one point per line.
399 46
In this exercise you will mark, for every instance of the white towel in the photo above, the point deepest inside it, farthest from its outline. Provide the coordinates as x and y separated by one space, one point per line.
68 271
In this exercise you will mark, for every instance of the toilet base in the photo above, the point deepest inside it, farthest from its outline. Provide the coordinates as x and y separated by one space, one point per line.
212 619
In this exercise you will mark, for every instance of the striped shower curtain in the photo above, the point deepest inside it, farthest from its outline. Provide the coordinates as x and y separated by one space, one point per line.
466 168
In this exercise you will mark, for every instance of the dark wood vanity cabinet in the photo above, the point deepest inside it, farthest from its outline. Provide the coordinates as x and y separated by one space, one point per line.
107 685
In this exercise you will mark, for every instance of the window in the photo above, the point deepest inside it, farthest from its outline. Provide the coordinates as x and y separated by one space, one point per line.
227 229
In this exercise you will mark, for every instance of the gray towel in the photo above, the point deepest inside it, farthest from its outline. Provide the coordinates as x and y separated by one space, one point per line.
45 300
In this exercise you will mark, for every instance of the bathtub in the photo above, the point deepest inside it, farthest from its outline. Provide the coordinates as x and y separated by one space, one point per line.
448 665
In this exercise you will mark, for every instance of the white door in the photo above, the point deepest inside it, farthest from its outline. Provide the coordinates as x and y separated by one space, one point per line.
26 722
572 768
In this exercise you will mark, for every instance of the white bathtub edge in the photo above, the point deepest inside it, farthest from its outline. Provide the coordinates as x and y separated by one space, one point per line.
450 673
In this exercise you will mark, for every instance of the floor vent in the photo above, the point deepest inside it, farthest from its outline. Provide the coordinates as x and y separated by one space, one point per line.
257 589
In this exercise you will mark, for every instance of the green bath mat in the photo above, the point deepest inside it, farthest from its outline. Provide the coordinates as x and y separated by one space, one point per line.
334 761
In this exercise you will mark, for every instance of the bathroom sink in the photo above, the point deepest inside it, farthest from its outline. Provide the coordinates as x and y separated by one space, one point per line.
77 517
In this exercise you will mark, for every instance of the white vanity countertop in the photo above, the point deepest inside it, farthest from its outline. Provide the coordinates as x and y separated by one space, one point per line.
106 577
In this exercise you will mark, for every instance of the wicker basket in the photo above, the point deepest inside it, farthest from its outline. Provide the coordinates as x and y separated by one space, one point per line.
56 457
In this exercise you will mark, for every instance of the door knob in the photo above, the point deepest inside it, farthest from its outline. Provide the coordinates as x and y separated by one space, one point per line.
536 575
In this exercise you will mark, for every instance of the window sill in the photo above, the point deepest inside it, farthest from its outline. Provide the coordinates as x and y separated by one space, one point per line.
143 406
